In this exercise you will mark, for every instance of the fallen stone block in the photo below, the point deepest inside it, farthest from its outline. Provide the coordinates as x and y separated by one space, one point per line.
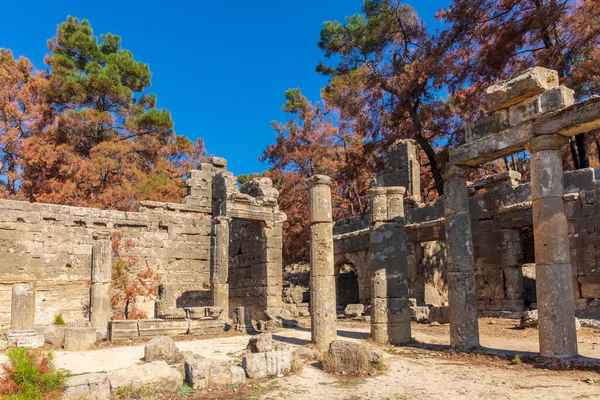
156 375
79 338
162 348
419 313
439 314
293 295
349 358
202 373
529 319
123 330
88 386
343 348
54 335
260 343
354 310
160 327
272 363
527 84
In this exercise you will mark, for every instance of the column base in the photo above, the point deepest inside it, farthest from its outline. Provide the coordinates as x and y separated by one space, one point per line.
27 339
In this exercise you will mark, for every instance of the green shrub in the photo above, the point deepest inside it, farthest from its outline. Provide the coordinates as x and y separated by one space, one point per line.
31 375
184 390
58 319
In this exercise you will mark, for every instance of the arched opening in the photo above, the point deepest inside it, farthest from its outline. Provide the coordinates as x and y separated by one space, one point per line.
347 286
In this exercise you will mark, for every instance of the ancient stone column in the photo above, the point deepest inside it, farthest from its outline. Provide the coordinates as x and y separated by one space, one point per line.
322 273
219 271
100 300
464 328
22 310
390 312
554 285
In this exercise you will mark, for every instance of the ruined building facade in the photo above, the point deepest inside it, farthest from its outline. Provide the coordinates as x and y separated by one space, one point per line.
221 246
502 232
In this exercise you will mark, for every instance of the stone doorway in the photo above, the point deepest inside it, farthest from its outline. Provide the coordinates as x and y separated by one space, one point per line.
347 286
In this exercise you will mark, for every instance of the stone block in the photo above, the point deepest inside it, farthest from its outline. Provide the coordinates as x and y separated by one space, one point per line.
54 335
493 146
570 121
201 373
157 327
123 330
26 339
162 348
79 338
88 386
293 295
548 101
262 365
354 310
493 123
526 84
156 375
206 326
260 343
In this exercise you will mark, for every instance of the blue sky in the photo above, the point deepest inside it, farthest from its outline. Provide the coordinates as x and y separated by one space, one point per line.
220 67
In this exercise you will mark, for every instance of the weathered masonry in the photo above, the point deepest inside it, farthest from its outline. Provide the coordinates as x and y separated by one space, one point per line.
221 246
548 229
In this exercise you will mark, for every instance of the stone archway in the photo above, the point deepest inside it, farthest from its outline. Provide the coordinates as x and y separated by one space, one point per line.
347 288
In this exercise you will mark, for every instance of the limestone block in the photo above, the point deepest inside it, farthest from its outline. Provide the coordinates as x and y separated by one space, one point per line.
260 343
293 295
459 246
201 373
54 335
27 339
548 101
464 331
162 348
203 312
218 162
100 305
22 306
395 202
319 198
354 310
493 146
570 121
346 352
157 327
88 386
206 326
526 84
378 197
550 227
156 375
556 309
272 363
493 123
79 338
123 330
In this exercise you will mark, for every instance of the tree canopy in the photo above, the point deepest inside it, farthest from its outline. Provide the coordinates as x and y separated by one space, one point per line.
85 132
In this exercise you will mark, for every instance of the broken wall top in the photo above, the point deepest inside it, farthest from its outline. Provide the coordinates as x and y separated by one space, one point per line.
530 104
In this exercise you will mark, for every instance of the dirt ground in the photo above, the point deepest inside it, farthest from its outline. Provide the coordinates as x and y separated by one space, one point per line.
426 369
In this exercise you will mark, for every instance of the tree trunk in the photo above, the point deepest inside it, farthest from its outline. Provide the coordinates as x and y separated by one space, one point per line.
582 150
574 154
435 170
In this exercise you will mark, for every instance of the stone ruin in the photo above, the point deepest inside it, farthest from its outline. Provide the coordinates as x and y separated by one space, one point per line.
218 251
495 246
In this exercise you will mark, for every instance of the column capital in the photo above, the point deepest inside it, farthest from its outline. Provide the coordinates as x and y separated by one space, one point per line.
319 180
377 191
546 142
396 190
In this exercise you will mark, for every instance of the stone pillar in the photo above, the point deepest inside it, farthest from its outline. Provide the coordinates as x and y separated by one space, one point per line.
322 273
272 247
554 285
464 328
390 312
219 271
100 299
22 310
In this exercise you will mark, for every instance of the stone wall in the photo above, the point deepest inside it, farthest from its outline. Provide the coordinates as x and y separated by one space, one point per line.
52 245
501 221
